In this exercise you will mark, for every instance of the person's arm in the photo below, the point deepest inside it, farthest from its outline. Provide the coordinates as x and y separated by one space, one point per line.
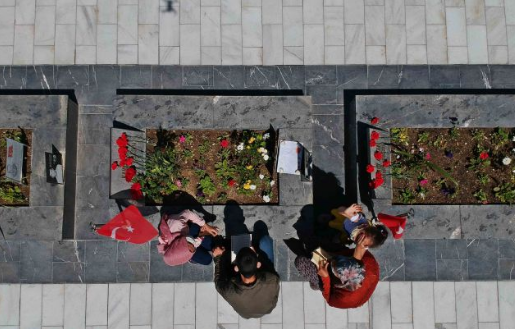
222 275
171 242
351 211
189 215
326 280
164 229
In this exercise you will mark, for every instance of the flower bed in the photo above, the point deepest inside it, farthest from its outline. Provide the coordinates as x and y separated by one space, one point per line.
453 165
213 166
11 193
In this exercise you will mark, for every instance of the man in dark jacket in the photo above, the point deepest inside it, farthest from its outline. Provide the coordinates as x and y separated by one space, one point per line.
250 285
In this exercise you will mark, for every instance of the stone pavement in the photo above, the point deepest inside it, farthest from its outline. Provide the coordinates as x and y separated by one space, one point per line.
395 305
257 32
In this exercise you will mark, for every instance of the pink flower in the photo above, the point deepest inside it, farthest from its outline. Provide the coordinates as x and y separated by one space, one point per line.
182 139
423 181
178 183
428 156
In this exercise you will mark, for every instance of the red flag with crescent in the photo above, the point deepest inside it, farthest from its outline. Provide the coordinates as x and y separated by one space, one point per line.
129 226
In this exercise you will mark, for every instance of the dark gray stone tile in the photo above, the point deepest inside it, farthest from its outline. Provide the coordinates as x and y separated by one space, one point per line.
414 77
303 136
69 272
101 251
94 160
134 77
43 194
390 257
197 76
159 271
352 76
506 269
329 159
476 110
328 130
86 215
33 111
195 272
282 261
260 77
41 77
294 273
93 192
451 269
9 251
506 248
228 77
73 77
475 77
487 221
36 262
451 249
101 272
13 77
19 223
69 251
293 191
291 77
383 77
420 260
482 256
94 136
166 77
503 76
128 252
10 272
444 76
328 109
320 75
132 271
322 94
103 82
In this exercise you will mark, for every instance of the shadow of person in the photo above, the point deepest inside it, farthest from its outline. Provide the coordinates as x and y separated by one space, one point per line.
179 201
234 219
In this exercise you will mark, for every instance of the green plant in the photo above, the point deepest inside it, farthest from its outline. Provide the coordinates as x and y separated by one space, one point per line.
422 192
399 136
440 142
222 197
223 169
505 193
454 132
407 196
207 186
478 135
187 153
476 163
500 137
423 137
204 147
483 178
160 175
480 195
11 193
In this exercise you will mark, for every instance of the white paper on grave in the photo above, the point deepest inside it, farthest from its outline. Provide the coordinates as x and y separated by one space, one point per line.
290 157
14 166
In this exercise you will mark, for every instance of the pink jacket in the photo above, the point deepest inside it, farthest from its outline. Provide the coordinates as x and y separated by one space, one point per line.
174 228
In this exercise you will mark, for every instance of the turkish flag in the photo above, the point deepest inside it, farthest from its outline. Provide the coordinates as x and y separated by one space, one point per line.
396 224
129 226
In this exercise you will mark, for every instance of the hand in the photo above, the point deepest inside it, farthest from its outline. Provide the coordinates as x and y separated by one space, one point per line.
209 230
350 212
322 268
218 251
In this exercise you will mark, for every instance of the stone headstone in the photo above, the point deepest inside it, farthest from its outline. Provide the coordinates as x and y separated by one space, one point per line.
15 157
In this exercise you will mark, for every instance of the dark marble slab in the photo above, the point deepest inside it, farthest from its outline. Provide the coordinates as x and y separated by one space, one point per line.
391 260
103 82
451 269
101 272
128 252
166 77
444 76
94 160
69 251
290 77
260 77
159 271
33 111
352 77
328 109
451 249
228 77
506 248
420 260
13 77
197 76
93 192
10 272
35 258
41 77
383 77
196 272
482 259
282 260
86 215
321 75
31 223
414 77
68 272
485 110
328 130
9 251
506 269
75 77
329 159
502 76
132 271
104 251
135 77
475 77
322 95
487 221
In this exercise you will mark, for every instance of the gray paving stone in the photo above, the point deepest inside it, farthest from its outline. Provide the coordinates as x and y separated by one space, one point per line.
93 192
475 76
282 260
383 77
101 272
129 252
135 77
329 159
34 111
293 191
487 221
294 275
320 75
260 77
93 160
328 109
506 248
197 76
43 194
166 77
73 77
14 77
420 260
390 257
502 76
451 269
101 251
328 130
9 251
451 249
103 82
31 223
98 134
197 272
228 77
36 262
444 76
352 76
41 77
69 251
414 77
322 94
485 110
132 271
506 269
68 272
10 272
482 259
86 215
159 271
291 77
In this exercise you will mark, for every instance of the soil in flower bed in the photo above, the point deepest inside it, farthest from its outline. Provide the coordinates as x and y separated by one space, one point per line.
453 165
11 193
200 170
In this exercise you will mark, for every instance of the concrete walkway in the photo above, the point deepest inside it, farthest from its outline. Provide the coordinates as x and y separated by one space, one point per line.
396 305
257 32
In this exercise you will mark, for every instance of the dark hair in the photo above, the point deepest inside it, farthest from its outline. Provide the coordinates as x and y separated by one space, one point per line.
247 260
378 233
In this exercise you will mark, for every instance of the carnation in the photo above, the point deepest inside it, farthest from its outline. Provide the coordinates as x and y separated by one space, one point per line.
506 161
370 168
374 120
378 155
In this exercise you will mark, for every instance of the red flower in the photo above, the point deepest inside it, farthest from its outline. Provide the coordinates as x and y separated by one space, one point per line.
123 162
386 163
379 175
128 161
122 153
122 141
370 168
372 143
374 135
224 143
130 173
231 182
378 155
375 183
114 165
428 156
483 155
136 193
374 120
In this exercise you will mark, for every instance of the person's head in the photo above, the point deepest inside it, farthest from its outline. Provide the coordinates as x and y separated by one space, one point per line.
247 264
349 271
375 235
